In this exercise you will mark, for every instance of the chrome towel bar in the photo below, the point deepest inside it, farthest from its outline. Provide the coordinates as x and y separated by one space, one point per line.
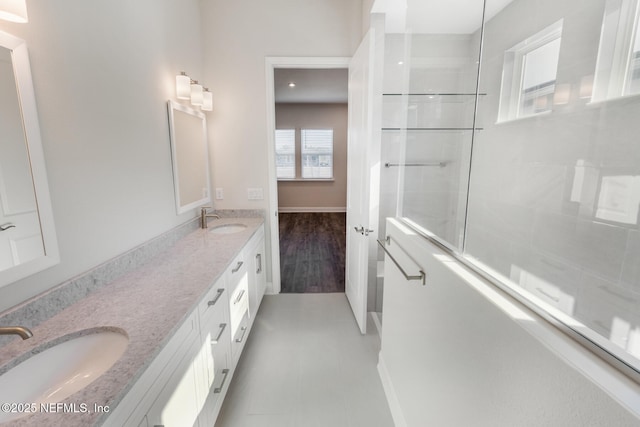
438 164
422 276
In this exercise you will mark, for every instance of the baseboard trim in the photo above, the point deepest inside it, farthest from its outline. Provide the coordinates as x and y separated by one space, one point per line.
390 393
311 209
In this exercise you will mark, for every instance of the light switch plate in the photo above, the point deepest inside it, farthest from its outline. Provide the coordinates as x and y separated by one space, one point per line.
254 194
219 194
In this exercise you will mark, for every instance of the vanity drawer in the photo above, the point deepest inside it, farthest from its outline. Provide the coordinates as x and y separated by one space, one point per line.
239 304
214 301
240 337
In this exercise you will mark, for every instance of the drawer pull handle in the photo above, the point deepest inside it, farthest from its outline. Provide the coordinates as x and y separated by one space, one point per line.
225 372
222 326
238 265
215 300
240 295
422 277
259 261
244 332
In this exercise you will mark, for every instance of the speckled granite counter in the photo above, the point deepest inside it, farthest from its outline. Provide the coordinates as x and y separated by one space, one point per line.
149 304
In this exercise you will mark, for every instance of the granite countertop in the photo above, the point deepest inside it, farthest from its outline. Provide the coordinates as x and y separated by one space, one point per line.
148 304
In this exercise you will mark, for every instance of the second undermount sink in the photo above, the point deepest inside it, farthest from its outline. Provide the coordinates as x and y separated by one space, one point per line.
228 228
61 370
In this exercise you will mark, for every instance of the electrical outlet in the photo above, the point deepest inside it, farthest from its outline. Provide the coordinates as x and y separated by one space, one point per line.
219 194
254 194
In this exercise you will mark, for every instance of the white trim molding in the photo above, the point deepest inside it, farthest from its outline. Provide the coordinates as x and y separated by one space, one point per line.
311 209
271 63
390 393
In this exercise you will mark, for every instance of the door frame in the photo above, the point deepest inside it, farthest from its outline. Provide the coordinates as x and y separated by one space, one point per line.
271 63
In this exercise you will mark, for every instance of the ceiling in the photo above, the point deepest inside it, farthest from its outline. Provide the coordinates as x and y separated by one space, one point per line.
436 16
312 85
419 16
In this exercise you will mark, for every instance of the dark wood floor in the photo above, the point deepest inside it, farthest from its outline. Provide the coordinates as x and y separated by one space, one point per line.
312 252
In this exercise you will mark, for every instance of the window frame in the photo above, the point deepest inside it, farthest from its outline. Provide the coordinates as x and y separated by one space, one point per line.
514 69
303 153
620 25
277 153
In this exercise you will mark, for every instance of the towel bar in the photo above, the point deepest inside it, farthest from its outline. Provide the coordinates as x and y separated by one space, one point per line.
422 275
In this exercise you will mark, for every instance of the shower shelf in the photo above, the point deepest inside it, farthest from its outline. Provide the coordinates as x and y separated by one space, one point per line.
429 129
433 94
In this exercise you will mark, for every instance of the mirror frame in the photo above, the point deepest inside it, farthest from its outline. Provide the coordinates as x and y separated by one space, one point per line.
31 126
175 106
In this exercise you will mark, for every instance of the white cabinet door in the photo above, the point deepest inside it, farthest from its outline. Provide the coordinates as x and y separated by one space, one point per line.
257 276
178 404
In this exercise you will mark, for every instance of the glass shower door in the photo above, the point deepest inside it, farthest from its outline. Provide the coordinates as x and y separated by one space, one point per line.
435 121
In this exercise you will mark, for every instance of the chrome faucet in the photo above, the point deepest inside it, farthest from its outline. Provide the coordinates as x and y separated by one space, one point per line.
16 330
204 215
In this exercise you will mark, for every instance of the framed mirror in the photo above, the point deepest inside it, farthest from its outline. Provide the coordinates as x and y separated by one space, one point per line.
190 156
28 242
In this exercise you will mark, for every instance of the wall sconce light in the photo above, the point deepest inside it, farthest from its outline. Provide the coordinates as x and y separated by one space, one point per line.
14 10
183 86
196 93
207 100
187 88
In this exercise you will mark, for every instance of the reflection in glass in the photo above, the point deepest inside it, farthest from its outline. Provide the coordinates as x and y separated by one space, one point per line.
633 72
189 157
547 204
434 118
554 199
21 240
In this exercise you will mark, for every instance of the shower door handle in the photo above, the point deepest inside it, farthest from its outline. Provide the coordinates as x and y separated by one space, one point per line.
366 232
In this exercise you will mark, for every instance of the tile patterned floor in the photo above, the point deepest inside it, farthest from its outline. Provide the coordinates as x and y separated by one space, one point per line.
307 365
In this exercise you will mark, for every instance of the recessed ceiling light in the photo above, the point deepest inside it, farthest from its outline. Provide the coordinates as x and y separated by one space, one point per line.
400 62
292 84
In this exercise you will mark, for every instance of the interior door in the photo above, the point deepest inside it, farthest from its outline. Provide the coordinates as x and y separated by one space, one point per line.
360 137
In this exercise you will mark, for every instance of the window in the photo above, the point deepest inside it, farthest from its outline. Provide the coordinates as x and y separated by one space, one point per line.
317 153
285 153
618 66
529 74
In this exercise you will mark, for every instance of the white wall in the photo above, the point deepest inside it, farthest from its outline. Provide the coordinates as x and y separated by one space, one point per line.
103 72
238 35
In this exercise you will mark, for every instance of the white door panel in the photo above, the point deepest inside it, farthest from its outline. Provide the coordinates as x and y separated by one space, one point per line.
362 174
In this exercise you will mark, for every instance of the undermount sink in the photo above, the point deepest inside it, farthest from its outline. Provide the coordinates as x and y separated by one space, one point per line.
228 228
61 370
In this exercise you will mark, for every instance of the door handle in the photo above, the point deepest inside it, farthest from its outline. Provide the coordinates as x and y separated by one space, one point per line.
362 230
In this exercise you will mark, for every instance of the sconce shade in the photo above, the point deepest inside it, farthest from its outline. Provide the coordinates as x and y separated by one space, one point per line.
183 86
13 10
196 93
207 100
